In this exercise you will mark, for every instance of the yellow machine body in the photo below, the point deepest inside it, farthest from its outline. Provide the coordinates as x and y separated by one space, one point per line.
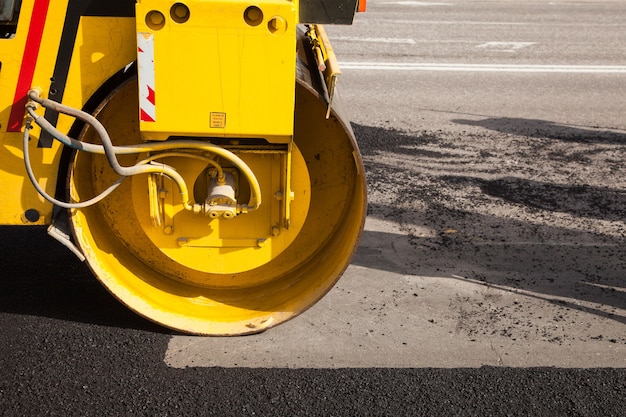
93 61
206 176
226 68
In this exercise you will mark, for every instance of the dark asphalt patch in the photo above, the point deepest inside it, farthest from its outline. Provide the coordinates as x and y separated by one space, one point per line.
52 367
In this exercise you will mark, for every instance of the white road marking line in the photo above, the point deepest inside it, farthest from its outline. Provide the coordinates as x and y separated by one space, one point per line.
377 21
505 46
417 3
374 40
400 40
397 66
446 22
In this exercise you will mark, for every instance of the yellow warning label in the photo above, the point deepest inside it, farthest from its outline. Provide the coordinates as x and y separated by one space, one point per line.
218 120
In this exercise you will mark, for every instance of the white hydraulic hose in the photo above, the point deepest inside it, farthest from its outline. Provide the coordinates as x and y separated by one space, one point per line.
110 151
42 192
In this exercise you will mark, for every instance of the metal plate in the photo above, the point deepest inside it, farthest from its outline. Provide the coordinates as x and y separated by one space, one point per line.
338 12
7 9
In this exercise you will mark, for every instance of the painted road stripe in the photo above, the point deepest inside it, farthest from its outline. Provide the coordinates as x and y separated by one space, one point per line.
492 46
417 3
505 46
396 66
374 40
446 22
374 22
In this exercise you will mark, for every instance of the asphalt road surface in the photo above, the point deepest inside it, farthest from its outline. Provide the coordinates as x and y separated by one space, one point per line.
490 278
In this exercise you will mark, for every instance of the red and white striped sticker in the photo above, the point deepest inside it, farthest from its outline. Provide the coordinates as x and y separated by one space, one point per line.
29 61
145 58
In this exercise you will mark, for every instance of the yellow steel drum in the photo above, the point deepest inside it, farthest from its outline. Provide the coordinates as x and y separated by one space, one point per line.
212 277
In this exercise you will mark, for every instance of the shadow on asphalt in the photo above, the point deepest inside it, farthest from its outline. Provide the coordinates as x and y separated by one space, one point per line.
440 186
604 203
547 129
40 277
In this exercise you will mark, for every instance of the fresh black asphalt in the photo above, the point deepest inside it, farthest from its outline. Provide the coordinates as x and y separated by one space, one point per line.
67 348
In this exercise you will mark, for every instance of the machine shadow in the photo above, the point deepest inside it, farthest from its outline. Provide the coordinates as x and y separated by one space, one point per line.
604 203
547 129
440 192
40 277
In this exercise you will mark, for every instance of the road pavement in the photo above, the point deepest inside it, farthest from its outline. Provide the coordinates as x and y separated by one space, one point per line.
490 277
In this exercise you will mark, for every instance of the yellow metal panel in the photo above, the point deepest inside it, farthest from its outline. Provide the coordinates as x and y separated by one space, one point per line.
18 194
103 47
228 70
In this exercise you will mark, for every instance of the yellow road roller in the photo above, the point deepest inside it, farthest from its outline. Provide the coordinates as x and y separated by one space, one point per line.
190 152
